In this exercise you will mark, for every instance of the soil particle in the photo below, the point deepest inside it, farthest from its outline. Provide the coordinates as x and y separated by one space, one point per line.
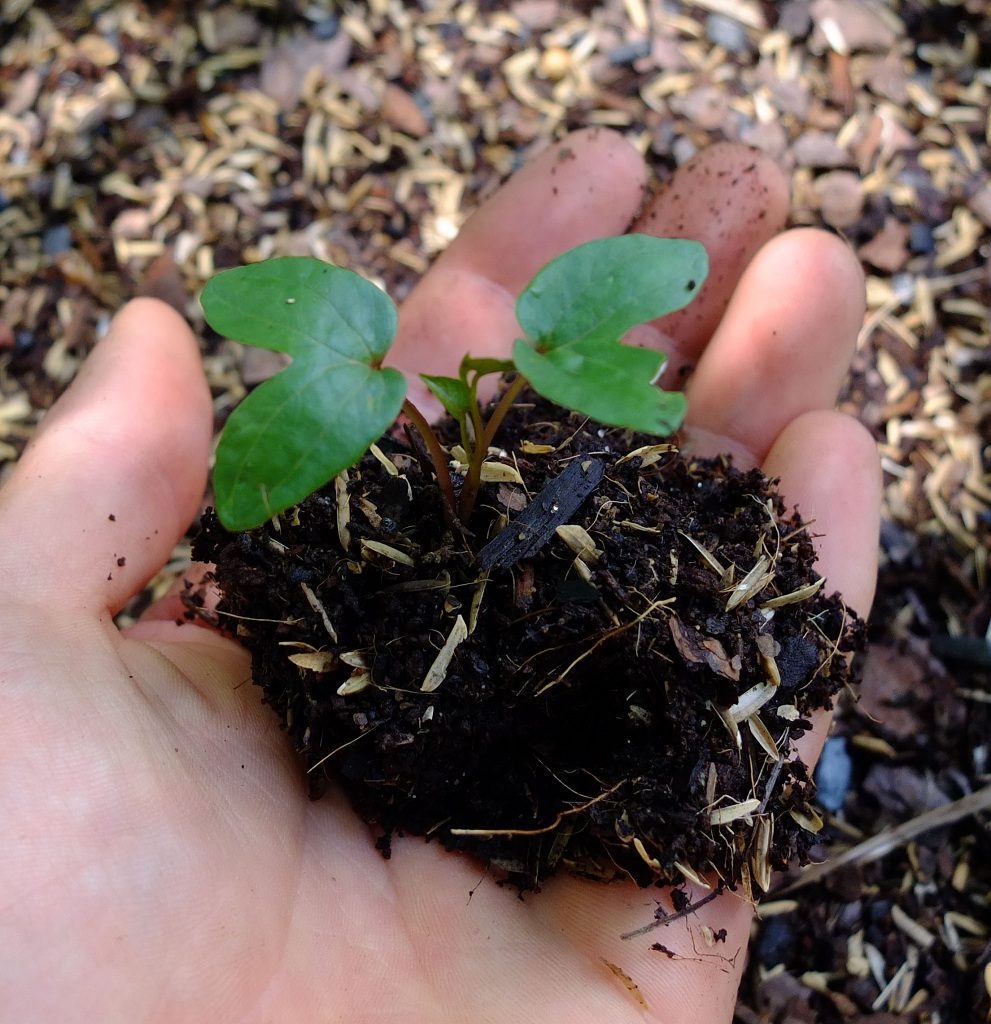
616 714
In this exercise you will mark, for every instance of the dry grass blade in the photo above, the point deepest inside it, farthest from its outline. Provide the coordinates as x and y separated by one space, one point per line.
602 639
499 473
731 727
546 828
921 936
648 454
476 601
652 862
733 812
760 864
387 464
317 605
532 448
343 510
751 701
707 556
751 584
314 661
802 594
693 876
810 822
628 983
580 541
355 683
760 733
880 845
438 670
376 547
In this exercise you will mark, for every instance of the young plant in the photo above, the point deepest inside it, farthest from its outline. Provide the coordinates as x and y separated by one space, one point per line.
314 419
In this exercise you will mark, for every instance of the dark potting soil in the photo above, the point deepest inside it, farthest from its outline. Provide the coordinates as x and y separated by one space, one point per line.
618 701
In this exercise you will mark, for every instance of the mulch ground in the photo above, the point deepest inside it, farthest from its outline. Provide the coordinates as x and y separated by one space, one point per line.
142 147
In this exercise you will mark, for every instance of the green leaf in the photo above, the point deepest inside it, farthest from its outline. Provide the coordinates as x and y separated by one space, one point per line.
580 305
612 383
483 366
601 289
297 431
453 393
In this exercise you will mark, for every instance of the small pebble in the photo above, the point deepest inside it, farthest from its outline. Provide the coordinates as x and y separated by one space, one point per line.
555 63
629 52
23 341
727 32
898 543
56 239
795 18
776 941
833 774
401 110
920 238
841 198
326 28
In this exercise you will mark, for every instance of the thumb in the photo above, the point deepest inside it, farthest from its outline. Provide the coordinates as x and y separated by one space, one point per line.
116 471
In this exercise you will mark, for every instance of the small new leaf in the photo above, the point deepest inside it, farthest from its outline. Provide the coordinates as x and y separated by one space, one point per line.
483 365
454 394
580 305
317 417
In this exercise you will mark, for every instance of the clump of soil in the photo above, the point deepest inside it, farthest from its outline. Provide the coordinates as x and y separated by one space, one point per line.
619 700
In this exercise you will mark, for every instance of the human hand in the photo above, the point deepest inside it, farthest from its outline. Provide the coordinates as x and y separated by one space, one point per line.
161 862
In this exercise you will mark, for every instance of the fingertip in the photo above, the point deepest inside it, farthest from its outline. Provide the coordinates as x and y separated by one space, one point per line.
733 199
117 469
805 259
613 150
588 185
784 346
148 310
829 467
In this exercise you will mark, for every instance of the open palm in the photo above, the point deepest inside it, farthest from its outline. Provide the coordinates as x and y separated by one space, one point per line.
160 859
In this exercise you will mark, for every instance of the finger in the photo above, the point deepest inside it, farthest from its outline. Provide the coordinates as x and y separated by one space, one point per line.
588 186
732 199
782 349
172 606
829 466
116 471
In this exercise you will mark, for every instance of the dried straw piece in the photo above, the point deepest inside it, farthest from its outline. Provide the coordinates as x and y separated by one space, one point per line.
438 670
314 661
751 584
733 812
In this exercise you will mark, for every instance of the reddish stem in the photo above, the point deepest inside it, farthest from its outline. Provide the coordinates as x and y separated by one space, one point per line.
437 454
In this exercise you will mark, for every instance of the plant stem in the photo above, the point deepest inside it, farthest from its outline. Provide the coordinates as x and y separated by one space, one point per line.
483 438
499 412
437 454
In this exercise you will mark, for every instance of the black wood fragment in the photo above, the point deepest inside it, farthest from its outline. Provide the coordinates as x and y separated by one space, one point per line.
536 524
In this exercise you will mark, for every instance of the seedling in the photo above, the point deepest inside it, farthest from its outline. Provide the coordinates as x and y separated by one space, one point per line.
596 687
316 418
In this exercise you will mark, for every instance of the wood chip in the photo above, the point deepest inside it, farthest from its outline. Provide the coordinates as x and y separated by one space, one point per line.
703 650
